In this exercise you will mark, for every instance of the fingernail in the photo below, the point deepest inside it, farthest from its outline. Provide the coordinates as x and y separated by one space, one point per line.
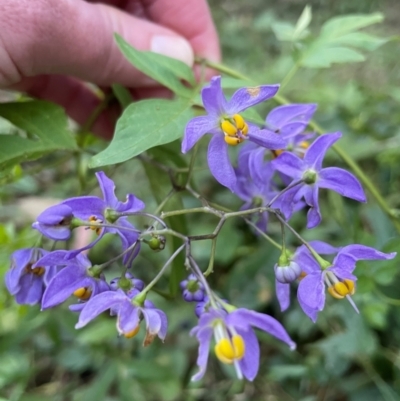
173 46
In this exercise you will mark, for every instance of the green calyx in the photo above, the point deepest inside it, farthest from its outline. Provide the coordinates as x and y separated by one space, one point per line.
125 284
310 177
139 299
257 201
284 259
111 215
192 286
95 271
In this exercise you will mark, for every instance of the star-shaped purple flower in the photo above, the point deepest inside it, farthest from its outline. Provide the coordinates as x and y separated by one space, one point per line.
312 176
75 278
236 342
338 278
26 280
228 127
55 221
129 314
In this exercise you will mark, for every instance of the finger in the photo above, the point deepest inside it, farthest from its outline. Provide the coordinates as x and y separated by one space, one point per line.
39 40
190 18
77 99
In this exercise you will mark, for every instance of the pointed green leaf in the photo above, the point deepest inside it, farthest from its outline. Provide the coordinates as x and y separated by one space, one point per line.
167 71
361 40
44 119
144 125
323 57
302 23
338 26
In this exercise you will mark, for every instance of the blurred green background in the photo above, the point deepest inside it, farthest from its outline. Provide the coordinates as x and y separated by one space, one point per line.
344 357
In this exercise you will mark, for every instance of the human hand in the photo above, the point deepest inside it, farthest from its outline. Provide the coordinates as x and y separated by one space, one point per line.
49 47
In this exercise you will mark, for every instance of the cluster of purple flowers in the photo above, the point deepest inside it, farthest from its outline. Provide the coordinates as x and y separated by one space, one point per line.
278 171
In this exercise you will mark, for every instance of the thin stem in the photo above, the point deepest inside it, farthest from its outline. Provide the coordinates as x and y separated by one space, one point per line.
143 214
165 231
204 209
292 185
210 267
170 194
290 75
111 261
263 234
162 271
88 124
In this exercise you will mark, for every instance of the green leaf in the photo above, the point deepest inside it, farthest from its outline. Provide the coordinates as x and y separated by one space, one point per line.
283 31
167 71
45 121
302 23
339 26
337 39
325 56
123 95
142 126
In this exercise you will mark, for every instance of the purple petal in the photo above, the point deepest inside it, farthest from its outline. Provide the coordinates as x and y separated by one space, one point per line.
306 261
195 129
31 290
324 248
204 337
311 291
316 152
244 98
54 214
54 222
362 252
213 98
56 258
287 202
64 284
99 304
128 237
289 164
164 324
19 261
128 317
292 129
267 139
107 187
310 312
153 320
243 318
283 294
84 207
219 163
343 272
314 214
342 182
283 115
251 360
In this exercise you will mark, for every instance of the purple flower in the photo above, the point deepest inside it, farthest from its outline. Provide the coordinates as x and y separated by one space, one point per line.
228 127
290 121
236 342
55 221
129 314
338 278
192 289
26 280
312 176
75 278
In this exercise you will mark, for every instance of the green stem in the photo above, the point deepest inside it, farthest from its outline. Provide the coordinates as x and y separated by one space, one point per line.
262 233
170 194
210 267
342 153
290 75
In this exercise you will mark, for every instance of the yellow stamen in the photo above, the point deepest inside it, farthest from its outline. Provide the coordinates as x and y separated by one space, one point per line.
83 293
304 144
341 289
227 350
277 152
228 128
302 275
132 333
37 271
233 141
240 123
94 219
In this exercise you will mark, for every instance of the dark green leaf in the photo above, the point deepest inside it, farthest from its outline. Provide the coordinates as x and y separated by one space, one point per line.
166 70
142 126
123 95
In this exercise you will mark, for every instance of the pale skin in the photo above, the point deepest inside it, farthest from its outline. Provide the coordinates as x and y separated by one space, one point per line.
49 48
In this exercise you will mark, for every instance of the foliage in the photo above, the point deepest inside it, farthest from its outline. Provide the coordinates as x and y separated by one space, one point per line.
343 356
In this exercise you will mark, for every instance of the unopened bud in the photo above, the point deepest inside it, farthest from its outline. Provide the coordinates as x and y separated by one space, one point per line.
287 274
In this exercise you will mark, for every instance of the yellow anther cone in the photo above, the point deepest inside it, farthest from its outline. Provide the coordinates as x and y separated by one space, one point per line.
228 350
83 293
228 128
341 289
350 286
233 141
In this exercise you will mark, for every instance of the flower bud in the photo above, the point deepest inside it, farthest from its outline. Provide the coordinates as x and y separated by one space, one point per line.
287 274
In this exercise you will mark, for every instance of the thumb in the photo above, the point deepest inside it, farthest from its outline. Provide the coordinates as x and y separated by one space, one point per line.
77 38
